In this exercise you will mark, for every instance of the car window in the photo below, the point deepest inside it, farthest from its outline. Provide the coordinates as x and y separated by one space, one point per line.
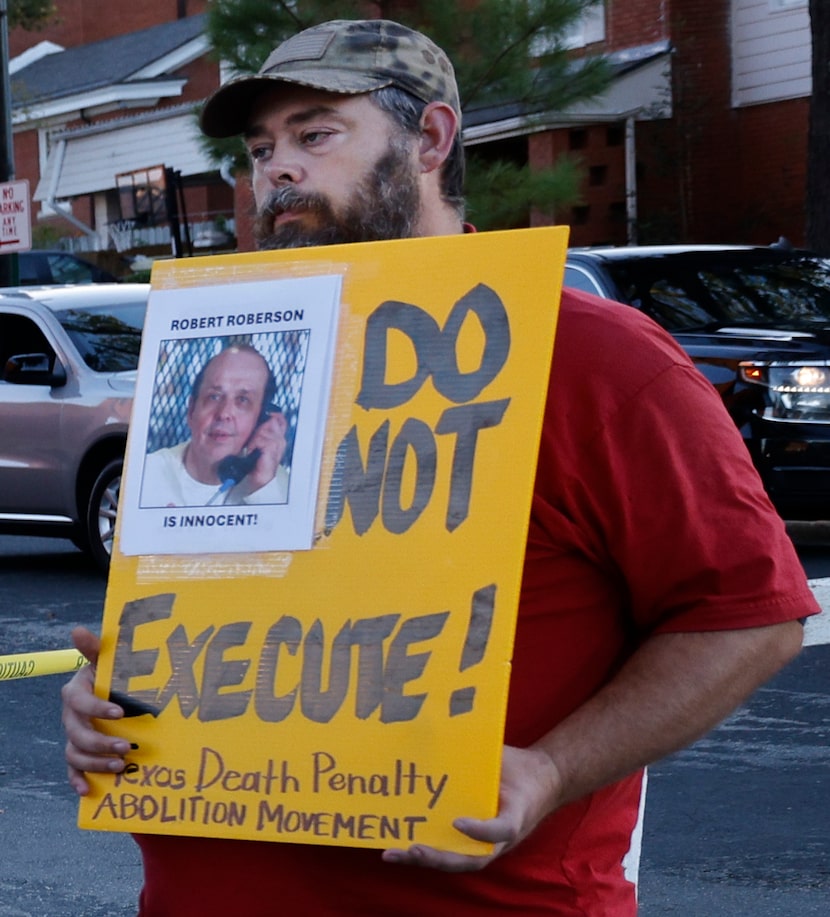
66 269
32 268
675 307
690 292
108 338
19 335
578 279
790 291
48 267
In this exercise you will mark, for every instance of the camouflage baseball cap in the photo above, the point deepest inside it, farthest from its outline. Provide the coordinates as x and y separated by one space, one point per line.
348 56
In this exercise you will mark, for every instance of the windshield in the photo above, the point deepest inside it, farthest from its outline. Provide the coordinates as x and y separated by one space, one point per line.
107 337
716 289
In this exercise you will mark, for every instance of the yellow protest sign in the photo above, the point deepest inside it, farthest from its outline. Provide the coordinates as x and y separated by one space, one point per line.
329 664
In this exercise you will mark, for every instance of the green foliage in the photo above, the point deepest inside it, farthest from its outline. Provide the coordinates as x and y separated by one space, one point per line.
138 276
30 14
46 235
244 32
500 194
504 51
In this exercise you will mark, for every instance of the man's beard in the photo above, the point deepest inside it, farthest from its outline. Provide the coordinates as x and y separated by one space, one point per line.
384 205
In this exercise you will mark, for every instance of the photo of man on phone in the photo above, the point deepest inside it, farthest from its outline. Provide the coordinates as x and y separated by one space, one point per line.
237 443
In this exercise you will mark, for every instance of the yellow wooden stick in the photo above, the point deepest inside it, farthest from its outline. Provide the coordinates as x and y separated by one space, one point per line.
50 662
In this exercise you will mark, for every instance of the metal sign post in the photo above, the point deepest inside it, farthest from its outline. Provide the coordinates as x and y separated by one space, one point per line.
8 264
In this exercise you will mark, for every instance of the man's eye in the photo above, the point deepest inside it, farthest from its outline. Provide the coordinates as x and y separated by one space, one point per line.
258 153
310 138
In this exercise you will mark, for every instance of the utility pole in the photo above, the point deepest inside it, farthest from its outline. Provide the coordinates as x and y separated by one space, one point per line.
8 263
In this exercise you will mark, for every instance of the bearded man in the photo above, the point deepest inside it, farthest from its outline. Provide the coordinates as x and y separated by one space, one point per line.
659 589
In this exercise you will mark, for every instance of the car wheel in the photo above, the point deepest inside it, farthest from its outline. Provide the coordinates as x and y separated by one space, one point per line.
101 510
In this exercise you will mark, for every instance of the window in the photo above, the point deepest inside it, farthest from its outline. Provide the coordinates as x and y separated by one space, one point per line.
597 175
617 212
577 139
20 335
578 279
66 269
615 135
588 29
143 195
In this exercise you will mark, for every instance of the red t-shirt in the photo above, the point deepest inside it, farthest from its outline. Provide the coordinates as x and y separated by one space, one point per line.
647 517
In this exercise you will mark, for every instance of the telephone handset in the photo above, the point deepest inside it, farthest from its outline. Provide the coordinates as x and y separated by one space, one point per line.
233 468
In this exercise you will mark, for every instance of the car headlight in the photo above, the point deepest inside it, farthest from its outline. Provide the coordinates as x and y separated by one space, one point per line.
796 391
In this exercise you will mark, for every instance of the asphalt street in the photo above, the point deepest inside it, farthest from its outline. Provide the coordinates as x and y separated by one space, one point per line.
735 825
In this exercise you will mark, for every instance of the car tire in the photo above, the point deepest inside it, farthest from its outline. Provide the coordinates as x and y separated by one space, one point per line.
101 510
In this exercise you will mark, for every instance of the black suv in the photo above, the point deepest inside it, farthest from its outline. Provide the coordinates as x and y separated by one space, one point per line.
756 322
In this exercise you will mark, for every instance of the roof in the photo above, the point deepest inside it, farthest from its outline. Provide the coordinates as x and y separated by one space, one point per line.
639 86
104 63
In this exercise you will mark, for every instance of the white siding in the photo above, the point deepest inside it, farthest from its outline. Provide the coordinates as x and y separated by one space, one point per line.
770 51
92 160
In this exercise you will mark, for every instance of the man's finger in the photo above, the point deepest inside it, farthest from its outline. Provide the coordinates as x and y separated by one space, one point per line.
87 643
430 858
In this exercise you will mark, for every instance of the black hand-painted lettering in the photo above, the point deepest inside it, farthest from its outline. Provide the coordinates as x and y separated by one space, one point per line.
224 673
465 421
129 663
182 681
272 708
415 437
460 387
402 667
422 331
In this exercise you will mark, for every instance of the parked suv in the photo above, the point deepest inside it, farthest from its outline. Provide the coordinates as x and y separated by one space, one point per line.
756 322
68 360
37 267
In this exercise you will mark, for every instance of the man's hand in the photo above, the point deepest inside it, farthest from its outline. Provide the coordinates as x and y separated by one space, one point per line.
529 790
86 748
269 438
670 692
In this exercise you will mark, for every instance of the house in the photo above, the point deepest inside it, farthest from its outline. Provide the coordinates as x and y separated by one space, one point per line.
107 135
701 135
722 155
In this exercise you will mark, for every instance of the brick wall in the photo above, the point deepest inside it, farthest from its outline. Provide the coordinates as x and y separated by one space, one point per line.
713 173
600 214
685 167
629 23
772 174
705 124
80 22
25 159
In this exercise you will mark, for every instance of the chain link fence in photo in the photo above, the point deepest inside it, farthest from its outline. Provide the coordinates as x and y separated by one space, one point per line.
179 362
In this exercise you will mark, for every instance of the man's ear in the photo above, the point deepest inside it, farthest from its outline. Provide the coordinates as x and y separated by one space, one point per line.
439 124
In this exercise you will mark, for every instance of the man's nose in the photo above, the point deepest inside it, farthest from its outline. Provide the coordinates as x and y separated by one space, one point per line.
282 168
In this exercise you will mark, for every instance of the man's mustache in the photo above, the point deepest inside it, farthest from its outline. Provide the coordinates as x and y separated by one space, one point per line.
287 198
